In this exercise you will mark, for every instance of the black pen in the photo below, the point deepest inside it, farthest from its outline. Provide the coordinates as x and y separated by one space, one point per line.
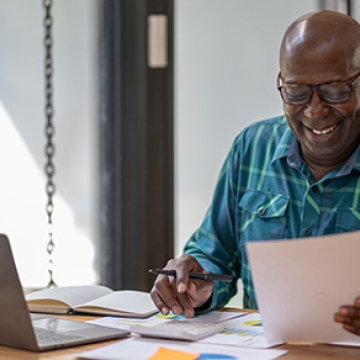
194 275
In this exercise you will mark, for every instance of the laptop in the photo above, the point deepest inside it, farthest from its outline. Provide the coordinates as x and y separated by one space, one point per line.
19 329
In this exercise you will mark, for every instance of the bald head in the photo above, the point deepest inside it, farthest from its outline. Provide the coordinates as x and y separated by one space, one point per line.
323 32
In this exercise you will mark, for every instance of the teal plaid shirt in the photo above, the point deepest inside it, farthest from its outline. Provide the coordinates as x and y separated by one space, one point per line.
265 191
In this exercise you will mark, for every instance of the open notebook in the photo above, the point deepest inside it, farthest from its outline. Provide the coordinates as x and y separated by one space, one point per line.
19 330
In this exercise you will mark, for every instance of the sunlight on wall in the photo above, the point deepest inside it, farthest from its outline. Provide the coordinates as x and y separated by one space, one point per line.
22 139
23 218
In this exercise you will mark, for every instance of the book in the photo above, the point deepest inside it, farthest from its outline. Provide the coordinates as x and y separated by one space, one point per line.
92 300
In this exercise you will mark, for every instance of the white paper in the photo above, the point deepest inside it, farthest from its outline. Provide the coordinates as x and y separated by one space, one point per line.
141 349
127 301
71 295
213 316
245 331
301 283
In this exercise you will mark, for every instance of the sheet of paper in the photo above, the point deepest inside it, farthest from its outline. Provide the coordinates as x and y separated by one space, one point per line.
141 348
245 331
124 323
301 283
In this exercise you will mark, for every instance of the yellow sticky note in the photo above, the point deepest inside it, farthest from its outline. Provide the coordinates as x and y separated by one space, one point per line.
166 354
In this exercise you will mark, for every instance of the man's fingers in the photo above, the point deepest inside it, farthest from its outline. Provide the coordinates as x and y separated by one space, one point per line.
166 297
353 329
186 304
178 293
166 305
163 296
159 303
349 316
351 312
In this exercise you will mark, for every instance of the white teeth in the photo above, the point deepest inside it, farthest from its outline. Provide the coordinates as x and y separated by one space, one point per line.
325 131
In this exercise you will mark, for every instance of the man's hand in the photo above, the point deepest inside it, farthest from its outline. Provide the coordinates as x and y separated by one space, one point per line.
349 316
181 294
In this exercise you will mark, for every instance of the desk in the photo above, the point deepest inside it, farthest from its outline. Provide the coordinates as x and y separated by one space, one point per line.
295 352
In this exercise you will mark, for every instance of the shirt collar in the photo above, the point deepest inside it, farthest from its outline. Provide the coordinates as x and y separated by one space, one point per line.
289 148
352 163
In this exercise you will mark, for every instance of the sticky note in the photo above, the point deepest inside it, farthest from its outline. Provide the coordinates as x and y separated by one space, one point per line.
166 354
215 357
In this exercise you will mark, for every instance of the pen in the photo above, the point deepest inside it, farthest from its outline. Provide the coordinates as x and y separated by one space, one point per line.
194 275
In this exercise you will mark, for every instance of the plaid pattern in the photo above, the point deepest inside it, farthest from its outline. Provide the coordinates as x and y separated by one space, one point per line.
265 191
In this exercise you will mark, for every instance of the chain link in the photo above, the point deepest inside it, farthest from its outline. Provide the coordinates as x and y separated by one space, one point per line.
49 132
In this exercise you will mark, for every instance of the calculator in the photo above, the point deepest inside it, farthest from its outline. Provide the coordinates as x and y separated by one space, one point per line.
178 329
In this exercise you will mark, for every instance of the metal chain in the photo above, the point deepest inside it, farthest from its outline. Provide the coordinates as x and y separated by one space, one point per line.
49 132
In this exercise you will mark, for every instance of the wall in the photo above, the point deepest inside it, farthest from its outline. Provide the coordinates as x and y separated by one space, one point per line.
22 139
355 9
226 62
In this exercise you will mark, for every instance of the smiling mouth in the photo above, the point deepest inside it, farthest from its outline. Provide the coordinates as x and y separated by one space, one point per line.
324 131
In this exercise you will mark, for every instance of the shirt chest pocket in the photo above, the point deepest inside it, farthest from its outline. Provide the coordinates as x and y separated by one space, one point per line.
262 215
347 219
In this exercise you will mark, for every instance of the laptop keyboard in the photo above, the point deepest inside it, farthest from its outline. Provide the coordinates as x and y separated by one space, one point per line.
45 336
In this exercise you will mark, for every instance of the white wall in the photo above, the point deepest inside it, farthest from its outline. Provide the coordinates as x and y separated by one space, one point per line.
22 139
356 10
226 62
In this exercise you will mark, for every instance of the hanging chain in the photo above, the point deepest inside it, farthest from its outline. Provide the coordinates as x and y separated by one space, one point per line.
49 132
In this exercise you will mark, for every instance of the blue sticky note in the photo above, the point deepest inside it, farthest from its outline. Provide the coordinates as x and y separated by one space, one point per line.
215 357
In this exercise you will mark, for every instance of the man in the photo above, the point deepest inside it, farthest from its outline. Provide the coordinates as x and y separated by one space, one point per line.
292 176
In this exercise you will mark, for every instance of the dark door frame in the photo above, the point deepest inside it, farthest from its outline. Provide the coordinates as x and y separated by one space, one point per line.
136 145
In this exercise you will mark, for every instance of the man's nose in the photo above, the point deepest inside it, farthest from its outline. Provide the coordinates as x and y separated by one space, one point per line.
316 107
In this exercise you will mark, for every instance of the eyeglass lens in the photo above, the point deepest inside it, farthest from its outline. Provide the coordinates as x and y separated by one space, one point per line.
301 94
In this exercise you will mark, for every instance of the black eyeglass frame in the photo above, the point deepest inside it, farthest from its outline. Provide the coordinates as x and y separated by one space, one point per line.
317 88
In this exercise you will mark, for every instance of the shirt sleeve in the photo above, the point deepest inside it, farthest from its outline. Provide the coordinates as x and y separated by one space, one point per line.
214 243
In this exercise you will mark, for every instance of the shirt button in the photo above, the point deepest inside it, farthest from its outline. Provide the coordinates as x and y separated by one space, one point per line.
261 210
308 232
315 189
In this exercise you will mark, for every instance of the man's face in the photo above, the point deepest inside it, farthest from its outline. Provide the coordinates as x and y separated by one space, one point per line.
328 133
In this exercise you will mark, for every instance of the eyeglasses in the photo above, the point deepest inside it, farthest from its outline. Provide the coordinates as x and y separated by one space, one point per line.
299 95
